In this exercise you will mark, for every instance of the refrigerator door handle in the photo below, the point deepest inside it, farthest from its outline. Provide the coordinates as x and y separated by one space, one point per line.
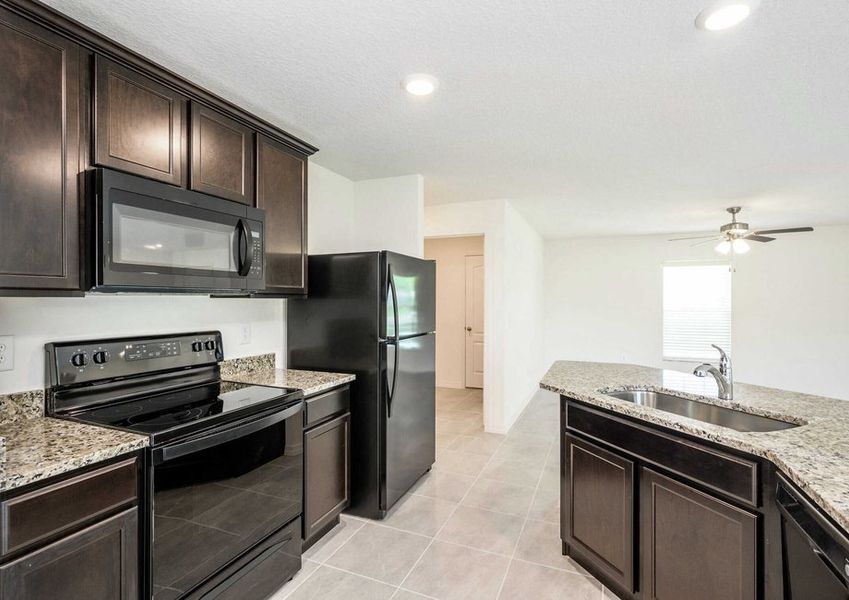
391 387
394 340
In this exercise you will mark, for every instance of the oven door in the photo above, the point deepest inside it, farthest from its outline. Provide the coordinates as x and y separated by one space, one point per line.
217 496
155 237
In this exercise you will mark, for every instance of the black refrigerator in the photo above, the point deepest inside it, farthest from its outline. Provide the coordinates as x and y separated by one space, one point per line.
373 314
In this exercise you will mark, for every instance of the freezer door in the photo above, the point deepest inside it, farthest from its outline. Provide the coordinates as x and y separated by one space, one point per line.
409 409
409 288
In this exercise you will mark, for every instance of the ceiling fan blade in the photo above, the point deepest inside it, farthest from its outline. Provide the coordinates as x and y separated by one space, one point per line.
788 230
759 238
710 241
695 237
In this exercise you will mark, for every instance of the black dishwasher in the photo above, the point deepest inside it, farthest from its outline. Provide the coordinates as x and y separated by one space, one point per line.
815 553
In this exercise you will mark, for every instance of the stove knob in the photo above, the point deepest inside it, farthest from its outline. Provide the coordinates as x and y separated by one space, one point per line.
100 357
197 346
79 360
210 345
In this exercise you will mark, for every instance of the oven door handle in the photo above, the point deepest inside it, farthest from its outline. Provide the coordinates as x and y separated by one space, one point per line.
161 455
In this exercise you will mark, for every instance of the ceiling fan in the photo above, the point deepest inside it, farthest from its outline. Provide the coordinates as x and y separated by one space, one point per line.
735 236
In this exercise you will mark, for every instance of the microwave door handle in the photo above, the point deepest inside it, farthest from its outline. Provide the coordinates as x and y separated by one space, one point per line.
244 255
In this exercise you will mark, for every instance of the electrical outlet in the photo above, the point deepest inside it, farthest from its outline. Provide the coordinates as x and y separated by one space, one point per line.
245 333
7 352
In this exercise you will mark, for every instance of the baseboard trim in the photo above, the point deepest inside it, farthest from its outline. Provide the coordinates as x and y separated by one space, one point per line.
450 384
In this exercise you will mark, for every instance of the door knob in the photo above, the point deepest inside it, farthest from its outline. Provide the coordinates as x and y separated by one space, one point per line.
468 328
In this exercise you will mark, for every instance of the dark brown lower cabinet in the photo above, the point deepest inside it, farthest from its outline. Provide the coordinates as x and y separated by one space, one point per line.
96 563
327 474
598 508
695 546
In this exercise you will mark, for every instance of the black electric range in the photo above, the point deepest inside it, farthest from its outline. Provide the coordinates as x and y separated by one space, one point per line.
225 462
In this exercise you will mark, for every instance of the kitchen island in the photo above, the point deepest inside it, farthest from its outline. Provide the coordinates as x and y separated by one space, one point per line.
653 500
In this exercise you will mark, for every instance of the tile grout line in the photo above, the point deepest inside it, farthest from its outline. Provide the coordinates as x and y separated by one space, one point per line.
525 521
459 503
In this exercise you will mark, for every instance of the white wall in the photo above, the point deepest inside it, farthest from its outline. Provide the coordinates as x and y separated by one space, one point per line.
389 214
35 321
330 220
374 214
512 254
450 256
523 286
790 327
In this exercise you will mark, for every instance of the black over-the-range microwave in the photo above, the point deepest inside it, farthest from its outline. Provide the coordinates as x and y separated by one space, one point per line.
146 236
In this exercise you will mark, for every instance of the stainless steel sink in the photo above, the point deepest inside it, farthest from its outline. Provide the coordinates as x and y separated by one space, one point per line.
701 411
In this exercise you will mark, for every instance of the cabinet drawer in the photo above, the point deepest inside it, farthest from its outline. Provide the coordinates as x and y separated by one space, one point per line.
731 475
323 406
67 505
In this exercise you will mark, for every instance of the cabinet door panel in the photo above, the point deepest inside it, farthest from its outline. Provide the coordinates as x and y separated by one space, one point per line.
140 125
694 545
327 473
222 156
282 193
598 513
98 563
39 157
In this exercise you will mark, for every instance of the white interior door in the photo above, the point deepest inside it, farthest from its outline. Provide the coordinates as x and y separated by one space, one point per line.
474 321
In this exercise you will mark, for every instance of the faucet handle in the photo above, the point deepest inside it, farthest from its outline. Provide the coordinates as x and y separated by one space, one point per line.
724 360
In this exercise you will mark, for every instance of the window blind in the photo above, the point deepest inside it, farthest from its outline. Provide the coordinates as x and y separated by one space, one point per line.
696 311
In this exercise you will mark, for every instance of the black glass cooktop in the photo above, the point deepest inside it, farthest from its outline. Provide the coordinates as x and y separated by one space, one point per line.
190 408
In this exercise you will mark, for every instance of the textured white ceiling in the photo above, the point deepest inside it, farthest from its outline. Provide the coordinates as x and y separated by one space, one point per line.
596 117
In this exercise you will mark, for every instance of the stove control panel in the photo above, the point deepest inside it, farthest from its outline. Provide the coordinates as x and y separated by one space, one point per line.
83 362
152 350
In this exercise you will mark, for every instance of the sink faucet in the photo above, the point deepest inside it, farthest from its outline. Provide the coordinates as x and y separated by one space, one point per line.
723 376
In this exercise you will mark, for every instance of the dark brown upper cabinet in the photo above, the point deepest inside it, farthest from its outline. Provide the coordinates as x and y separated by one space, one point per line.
139 125
222 156
39 157
281 191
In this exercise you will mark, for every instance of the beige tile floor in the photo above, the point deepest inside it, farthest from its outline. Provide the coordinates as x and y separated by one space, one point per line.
483 524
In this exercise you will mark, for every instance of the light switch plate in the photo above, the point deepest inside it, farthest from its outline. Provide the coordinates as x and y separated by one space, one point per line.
7 352
245 333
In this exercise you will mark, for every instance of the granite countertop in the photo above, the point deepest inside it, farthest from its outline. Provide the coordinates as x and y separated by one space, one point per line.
311 382
815 455
259 370
41 447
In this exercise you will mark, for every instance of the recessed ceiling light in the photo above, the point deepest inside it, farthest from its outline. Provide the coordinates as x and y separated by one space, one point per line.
725 14
420 84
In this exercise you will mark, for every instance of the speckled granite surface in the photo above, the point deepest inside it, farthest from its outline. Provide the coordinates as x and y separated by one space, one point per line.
815 455
260 370
42 447
21 405
238 367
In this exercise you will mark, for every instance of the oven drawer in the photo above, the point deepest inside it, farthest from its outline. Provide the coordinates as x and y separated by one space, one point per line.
326 405
719 471
66 506
260 572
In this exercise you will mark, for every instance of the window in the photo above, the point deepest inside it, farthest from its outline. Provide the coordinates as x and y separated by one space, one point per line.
696 311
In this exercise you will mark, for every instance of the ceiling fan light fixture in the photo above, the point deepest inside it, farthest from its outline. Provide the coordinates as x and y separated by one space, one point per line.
740 246
723 247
